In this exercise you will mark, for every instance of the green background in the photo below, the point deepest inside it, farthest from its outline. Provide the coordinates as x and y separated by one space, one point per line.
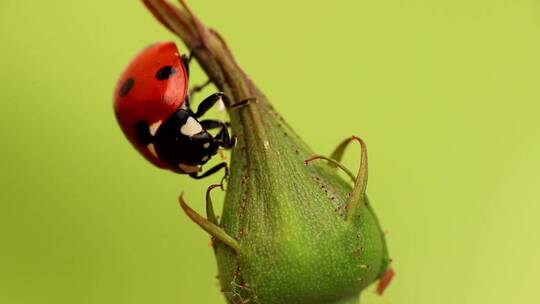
445 93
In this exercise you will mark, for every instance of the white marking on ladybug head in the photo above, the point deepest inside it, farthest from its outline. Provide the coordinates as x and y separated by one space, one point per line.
154 126
191 127
152 150
206 145
204 158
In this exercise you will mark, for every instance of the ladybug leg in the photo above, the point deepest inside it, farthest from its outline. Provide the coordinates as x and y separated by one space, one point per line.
187 59
222 138
208 103
211 171
211 100
210 124
198 88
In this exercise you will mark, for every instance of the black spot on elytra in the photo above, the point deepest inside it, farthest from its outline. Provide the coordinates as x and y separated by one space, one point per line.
126 86
165 72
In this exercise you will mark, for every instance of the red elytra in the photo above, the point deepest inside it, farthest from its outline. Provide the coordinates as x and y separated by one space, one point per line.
151 88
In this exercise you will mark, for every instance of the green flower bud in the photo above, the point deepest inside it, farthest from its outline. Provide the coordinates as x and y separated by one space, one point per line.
296 231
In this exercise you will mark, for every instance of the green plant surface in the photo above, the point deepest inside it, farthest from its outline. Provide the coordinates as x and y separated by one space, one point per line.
445 93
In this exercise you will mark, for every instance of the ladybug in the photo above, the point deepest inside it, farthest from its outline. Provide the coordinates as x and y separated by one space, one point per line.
151 103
